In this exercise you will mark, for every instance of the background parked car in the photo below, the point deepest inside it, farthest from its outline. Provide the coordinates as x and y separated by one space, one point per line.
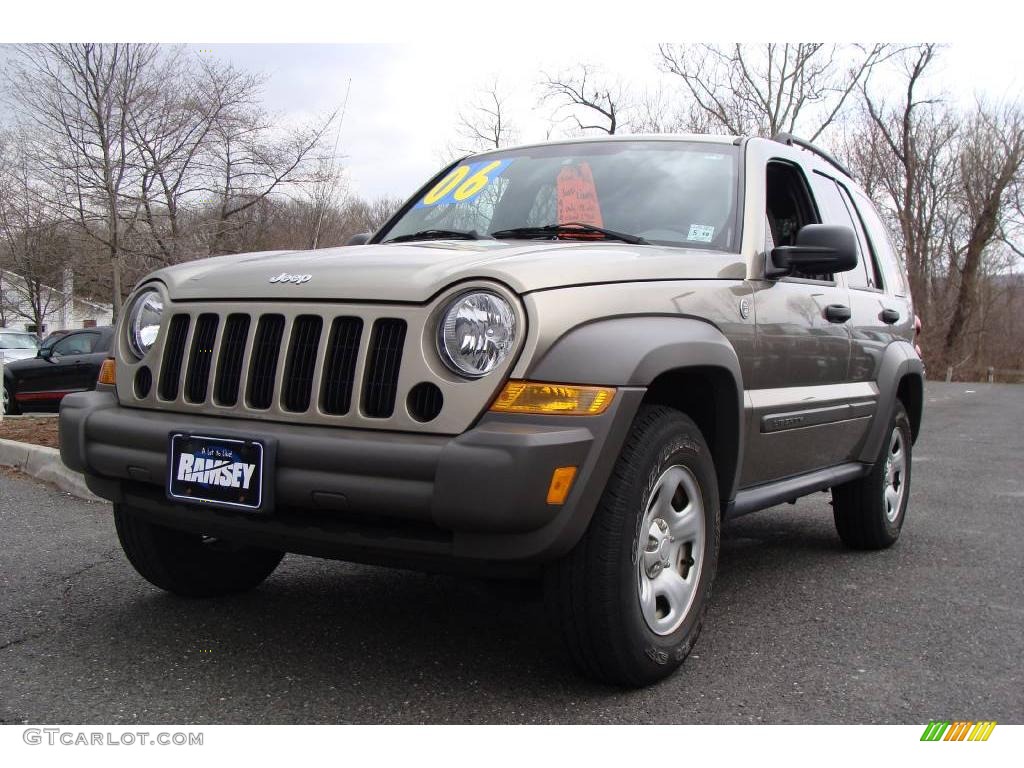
17 345
70 363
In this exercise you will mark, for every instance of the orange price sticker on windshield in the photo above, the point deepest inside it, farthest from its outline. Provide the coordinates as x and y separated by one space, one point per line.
577 196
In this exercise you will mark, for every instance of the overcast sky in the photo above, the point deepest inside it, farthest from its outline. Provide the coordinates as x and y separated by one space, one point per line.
404 99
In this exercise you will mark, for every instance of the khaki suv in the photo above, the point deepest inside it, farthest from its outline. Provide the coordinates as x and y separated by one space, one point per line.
569 361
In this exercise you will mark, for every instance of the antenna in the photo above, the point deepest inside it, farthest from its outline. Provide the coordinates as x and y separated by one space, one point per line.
334 157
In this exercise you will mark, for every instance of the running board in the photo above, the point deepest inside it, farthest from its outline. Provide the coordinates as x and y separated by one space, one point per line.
791 488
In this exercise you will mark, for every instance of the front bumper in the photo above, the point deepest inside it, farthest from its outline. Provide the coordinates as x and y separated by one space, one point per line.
397 498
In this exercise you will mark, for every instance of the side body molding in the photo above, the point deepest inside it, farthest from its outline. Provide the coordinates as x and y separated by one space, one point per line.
635 351
899 361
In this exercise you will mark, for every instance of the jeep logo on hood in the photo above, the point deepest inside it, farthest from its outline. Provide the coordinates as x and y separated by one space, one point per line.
286 277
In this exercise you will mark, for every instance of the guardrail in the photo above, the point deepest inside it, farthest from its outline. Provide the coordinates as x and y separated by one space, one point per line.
989 374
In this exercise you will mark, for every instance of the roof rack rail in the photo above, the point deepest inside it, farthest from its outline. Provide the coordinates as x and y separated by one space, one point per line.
794 141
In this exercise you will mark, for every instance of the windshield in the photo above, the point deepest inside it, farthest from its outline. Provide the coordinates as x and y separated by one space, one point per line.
666 192
17 341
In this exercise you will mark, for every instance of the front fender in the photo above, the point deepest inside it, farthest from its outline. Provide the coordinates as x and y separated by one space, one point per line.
636 351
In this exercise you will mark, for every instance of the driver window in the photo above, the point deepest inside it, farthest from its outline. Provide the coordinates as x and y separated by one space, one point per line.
75 344
789 206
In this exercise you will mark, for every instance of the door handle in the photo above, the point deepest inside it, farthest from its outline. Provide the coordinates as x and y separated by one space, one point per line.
837 313
889 316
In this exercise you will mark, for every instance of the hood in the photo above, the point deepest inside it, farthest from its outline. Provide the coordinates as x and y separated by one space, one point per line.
414 272
10 355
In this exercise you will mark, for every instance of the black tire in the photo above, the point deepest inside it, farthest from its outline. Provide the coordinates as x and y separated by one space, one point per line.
10 406
865 518
190 564
592 594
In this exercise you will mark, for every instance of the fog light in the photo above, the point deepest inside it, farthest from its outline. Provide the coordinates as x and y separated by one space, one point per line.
561 484
554 399
108 372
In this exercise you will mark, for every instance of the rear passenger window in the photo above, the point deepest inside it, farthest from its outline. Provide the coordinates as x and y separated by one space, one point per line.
881 244
836 211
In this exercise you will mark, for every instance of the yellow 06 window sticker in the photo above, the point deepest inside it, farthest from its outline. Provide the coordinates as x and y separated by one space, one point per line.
463 183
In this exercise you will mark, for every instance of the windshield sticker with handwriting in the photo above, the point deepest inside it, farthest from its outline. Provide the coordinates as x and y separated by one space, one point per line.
701 233
577 196
463 183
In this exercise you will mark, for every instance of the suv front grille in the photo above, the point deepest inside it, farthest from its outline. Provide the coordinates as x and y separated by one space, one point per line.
298 375
197 379
340 366
265 352
385 357
232 353
174 351
277 360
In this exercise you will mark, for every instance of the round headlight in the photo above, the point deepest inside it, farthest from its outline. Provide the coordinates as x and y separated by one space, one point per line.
144 321
477 333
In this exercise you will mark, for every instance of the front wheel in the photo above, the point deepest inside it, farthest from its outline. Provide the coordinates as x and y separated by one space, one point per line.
629 600
10 406
190 564
869 511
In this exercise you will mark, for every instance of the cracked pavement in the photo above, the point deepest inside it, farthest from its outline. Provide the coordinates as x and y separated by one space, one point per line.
799 629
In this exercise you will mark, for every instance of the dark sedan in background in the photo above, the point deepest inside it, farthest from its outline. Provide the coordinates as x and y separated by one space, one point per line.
70 364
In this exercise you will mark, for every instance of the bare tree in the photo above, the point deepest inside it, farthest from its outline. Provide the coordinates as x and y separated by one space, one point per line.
949 180
370 215
484 123
34 248
767 89
586 99
989 169
78 98
904 152
181 102
249 161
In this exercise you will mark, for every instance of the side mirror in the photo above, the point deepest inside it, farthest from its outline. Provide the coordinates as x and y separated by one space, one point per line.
820 249
45 352
359 239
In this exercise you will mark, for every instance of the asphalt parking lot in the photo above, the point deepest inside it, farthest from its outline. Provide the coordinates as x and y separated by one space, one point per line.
800 630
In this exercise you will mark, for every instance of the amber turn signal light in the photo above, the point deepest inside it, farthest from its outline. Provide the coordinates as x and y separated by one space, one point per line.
108 372
553 399
561 484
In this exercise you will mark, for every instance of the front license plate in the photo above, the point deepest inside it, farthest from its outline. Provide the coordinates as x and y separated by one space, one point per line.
218 471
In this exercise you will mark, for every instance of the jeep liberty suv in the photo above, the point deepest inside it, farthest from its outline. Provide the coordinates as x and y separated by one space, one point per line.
569 361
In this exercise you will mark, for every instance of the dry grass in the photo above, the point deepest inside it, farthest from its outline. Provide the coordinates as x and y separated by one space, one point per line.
29 429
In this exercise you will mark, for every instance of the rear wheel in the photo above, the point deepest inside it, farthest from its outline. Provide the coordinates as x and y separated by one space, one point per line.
869 511
190 564
629 600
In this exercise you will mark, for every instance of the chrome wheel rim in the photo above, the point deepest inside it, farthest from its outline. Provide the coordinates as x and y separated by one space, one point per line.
895 475
670 553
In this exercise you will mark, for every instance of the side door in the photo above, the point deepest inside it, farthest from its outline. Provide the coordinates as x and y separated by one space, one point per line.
65 371
797 387
871 320
87 368
882 309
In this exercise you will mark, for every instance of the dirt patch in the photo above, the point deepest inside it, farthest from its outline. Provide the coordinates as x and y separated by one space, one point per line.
28 429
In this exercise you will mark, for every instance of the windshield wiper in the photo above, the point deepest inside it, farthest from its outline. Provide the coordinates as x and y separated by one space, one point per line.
567 228
440 234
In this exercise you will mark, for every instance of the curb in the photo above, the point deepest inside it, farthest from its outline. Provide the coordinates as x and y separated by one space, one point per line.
44 464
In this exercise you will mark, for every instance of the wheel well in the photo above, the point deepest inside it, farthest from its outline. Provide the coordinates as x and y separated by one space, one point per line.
910 392
710 397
